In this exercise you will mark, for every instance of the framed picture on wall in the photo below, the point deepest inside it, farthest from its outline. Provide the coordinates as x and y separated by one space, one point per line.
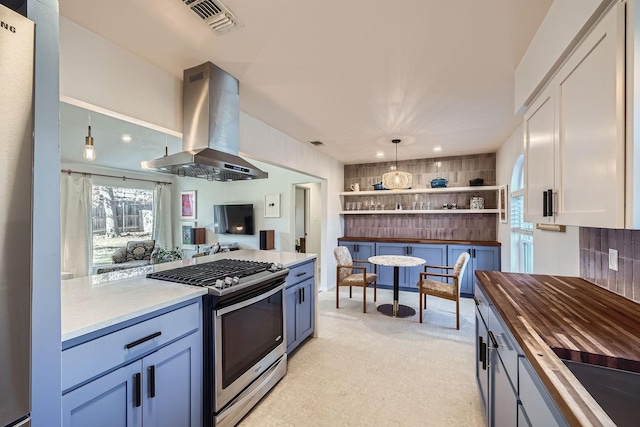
503 203
188 205
272 205
185 228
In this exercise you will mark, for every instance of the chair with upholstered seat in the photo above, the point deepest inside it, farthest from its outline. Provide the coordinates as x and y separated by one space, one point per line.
446 290
345 275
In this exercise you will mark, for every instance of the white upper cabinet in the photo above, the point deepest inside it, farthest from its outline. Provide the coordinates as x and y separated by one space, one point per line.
574 134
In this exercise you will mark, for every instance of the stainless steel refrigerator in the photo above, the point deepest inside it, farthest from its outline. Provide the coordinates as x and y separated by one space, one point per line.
16 176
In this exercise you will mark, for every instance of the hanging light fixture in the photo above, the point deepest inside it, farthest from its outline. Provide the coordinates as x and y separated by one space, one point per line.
397 180
89 152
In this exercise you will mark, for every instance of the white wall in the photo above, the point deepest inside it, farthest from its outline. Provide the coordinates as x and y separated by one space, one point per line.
553 253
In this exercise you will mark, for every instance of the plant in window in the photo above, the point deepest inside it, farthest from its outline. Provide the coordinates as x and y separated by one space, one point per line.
166 255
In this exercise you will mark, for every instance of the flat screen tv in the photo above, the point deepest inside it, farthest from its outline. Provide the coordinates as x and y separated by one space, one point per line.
233 219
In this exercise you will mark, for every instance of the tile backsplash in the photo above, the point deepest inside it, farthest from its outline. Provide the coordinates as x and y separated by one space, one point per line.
594 260
457 170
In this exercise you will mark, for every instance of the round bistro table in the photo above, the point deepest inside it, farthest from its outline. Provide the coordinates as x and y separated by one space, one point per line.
396 261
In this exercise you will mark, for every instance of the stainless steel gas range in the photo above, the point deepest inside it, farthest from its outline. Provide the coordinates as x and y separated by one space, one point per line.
244 327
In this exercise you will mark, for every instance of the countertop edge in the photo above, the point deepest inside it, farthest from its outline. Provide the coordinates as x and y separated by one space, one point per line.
562 385
427 241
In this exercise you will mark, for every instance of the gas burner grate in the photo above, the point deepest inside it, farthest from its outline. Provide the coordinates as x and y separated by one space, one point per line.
206 274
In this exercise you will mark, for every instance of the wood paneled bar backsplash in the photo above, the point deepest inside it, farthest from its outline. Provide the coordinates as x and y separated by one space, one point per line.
457 170
594 260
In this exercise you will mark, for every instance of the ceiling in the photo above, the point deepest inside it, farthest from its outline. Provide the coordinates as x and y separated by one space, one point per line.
354 74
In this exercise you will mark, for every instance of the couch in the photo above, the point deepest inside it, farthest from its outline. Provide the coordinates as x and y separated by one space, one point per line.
136 253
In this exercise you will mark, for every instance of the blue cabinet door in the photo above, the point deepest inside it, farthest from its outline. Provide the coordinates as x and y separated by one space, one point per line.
486 258
454 251
504 401
482 365
361 251
433 254
385 274
291 316
305 309
107 401
172 384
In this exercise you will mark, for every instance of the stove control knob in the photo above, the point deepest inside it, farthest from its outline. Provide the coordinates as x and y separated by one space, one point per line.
228 281
219 284
236 280
280 266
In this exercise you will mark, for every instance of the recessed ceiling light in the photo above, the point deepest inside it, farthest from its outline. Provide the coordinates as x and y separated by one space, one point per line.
380 154
126 138
437 149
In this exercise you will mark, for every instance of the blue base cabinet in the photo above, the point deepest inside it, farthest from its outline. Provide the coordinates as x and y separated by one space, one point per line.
362 251
160 384
434 254
510 391
300 304
482 258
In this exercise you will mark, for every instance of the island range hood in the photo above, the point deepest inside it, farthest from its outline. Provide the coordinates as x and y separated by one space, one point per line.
210 130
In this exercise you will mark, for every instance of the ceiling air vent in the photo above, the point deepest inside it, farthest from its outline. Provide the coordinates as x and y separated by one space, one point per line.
215 14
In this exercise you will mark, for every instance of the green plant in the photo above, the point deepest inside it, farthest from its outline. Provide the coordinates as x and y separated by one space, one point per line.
166 255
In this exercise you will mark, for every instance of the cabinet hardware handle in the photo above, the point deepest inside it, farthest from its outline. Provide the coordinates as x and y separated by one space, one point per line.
303 294
357 248
550 198
480 342
141 340
477 303
152 381
493 340
299 296
544 204
483 353
474 252
301 274
137 393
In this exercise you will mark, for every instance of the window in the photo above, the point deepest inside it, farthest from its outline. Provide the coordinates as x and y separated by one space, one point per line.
118 216
521 231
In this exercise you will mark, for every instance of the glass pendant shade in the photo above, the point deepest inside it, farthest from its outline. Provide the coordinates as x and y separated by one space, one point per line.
89 152
397 180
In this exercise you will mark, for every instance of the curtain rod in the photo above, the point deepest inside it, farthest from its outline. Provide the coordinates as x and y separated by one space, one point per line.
124 178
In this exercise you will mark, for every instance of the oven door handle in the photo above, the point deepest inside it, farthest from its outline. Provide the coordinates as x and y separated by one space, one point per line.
242 304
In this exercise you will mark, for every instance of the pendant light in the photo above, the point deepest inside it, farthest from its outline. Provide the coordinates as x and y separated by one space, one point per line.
397 180
89 152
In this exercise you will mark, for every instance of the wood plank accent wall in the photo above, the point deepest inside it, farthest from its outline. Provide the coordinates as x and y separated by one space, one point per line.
594 260
457 170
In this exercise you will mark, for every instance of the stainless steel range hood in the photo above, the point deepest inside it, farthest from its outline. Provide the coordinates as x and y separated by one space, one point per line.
210 128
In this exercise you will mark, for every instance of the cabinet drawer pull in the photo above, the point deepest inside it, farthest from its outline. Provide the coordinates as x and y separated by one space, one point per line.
137 393
152 380
493 339
141 340
301 274
477 303
550 199
483 355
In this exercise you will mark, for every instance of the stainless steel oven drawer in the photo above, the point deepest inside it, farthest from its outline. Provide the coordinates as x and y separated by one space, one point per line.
299 273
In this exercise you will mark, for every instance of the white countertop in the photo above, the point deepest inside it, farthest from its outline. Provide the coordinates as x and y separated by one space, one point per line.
95 302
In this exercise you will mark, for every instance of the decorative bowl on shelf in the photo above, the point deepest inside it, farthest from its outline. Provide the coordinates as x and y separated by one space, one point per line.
378 186
438 183
476 182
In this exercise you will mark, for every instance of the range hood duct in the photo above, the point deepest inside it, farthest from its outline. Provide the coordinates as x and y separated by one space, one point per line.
210 130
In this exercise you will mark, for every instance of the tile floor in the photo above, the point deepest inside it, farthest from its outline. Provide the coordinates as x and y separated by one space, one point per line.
373 370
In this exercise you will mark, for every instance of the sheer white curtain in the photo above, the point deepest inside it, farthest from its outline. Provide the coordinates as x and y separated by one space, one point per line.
77 245
162 216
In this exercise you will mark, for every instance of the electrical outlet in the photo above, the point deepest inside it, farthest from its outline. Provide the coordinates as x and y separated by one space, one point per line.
613 259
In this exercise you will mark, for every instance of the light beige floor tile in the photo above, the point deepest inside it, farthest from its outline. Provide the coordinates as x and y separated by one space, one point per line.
373 370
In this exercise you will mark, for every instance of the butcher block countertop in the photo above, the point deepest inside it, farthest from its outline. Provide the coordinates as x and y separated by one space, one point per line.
553 317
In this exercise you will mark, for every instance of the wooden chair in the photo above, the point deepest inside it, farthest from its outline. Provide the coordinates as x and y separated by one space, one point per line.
346 277
450 291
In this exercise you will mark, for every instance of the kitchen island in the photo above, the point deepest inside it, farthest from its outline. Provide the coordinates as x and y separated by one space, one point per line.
551 319
132 347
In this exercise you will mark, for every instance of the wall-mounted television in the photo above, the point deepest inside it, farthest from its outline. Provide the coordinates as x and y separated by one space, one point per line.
233 219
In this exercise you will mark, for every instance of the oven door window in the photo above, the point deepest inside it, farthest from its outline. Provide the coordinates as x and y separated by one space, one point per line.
249 334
